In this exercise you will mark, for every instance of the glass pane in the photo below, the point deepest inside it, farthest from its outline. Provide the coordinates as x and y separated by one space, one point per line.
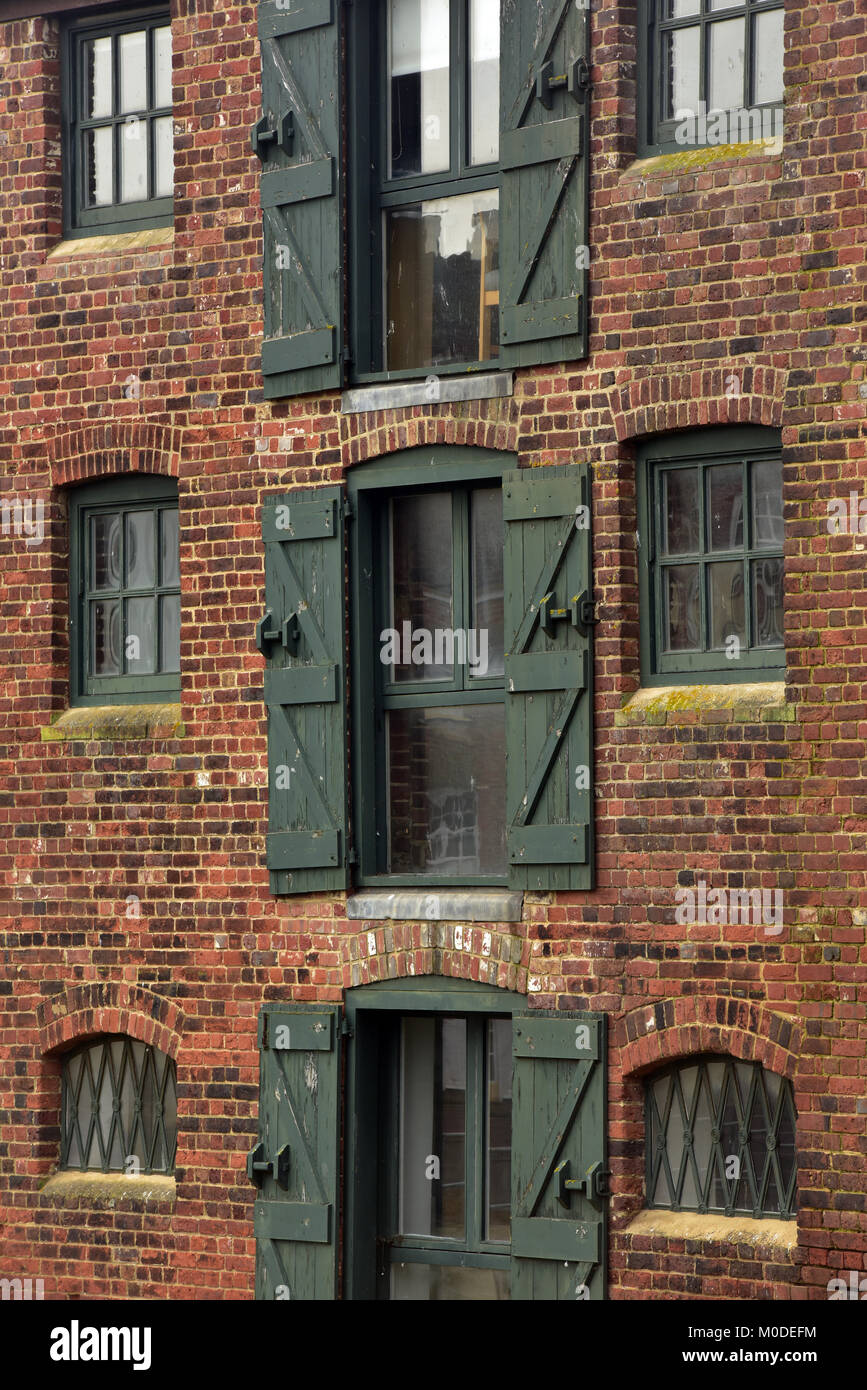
767 499
680 511
169 547
162 40
164 157
105 643
498 1141
133 161
725 4
767 587
419 86
433 1127
429 1283
140 644
680 9
682 609
133 63
768 57
421 589
140 557
486 527
97 167
701 1138
726 65
725 507
443 281
681 72
484 81
105 551
726 608
170 633
97 77
447 795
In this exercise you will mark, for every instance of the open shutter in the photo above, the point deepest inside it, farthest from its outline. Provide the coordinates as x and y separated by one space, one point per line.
298 141
549 678
295 1162
301 634
559 1187
544 109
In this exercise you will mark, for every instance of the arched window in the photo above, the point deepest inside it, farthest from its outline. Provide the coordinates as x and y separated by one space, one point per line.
721 1138
119 1110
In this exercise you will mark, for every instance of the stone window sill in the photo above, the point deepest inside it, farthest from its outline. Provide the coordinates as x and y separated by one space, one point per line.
105 1189
393 395
113 244
115 723
445 905
730 1230
699 157
750 702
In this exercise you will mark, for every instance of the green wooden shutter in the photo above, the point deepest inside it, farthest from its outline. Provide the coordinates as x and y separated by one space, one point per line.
301 634
295 1163
544 200
559 1206
298 140
549 678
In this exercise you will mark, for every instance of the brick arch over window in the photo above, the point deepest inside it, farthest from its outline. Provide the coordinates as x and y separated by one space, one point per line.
405 949
731 393
657 1033
486 425
87 1010
103 448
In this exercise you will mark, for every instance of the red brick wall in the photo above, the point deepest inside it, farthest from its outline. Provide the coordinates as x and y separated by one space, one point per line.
743 267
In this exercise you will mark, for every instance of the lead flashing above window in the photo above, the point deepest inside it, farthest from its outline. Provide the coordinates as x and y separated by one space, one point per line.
433 390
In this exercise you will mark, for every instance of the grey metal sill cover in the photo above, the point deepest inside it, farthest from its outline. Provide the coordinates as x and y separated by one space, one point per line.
391 395
451 905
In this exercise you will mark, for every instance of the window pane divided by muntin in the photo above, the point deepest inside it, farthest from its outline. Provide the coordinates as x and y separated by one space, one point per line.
119 1108
721 1138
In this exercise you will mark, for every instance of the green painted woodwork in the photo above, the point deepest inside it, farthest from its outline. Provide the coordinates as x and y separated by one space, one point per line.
549 678
559 1234
544 182
296 1219
302 638
301 196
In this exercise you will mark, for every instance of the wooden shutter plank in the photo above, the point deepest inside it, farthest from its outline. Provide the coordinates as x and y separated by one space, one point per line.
537 144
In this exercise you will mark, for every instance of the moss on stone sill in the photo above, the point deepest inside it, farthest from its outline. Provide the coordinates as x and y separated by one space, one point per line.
732 1230
114 243
682 161
751 702
115 723
106 1189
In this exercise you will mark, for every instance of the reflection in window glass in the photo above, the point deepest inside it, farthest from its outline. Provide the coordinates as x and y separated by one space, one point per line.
681 75
498 1138
727 610
132 58
97 78
768 56
725 507
98 180
484 81
486 524
433 1134
726 65
419 86
680 511
767 494
767 597
421 583
431 1283
682 608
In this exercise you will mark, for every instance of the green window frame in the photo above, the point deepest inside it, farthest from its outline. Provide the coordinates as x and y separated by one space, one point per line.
379 195
704 565
372 490
663 24
721 1138
129 499
112 130
119 1108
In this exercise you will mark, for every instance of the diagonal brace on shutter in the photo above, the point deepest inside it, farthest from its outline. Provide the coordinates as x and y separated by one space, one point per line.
532 1195
542 589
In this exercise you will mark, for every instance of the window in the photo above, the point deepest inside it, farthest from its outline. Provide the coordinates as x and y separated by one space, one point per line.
711 556
125 603
432 296
117 101
721 1138
711 72
119 1108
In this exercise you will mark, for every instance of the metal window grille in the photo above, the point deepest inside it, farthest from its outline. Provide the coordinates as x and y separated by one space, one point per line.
721 1138
119 1108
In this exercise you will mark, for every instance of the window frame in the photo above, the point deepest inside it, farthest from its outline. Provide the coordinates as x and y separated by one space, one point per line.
371 192
722 444
655 135
113 218
160 1132
655 1169
128 492
368 486
367 1079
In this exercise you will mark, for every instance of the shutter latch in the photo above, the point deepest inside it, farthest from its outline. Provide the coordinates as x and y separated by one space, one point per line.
288 633
594 1184
258 1165
576 80
263 133
548 615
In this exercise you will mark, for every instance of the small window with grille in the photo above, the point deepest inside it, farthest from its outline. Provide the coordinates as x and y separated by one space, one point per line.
119 1109
721 1138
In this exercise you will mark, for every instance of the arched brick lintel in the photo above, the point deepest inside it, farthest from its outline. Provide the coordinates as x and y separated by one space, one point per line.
404 950
658 1033
84 1011
731 393
418 431
100 449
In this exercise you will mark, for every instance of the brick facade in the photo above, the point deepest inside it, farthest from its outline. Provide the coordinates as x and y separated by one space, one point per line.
726 287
